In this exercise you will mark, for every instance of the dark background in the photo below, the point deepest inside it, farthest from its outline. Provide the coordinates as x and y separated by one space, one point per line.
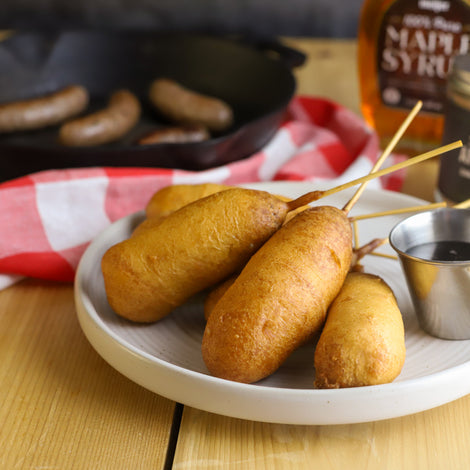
308 18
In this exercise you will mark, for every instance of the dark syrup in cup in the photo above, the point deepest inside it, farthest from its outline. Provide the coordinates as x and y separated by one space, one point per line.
442 251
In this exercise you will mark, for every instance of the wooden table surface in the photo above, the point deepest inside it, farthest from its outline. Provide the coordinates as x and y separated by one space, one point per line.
63 407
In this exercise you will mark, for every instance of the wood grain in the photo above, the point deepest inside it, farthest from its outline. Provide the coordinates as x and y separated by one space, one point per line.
62 406
432 440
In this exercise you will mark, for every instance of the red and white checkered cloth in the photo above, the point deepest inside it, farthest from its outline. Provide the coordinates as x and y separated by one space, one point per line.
48 218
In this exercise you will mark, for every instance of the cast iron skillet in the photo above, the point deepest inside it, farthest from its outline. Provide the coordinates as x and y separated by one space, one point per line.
257 85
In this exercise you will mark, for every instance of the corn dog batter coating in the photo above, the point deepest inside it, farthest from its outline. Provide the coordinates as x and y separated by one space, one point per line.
281 297
170 198
363 341
195 247
216 294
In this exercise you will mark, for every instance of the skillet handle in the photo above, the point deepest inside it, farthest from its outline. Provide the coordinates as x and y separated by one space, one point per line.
291 57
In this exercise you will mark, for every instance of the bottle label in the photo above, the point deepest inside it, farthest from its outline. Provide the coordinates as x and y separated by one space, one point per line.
417 41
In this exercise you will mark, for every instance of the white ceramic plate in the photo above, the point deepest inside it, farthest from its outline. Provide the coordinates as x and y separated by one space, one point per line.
165 357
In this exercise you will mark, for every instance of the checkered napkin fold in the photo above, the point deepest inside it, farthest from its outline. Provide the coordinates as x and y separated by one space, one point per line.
47 219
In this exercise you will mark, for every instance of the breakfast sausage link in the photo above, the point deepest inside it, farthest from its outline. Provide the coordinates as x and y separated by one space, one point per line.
176 135
43 111
184 106
106 125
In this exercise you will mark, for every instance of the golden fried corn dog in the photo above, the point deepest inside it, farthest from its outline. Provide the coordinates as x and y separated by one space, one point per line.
363 340
170 198
195 247
280 298
216 294
147 224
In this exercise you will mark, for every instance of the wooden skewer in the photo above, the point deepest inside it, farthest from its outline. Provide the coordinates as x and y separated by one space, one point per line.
355 234
361 252
368 248
393 168
403 210
435 205
315 195
382 242
386 153
384 255
462 205
378 164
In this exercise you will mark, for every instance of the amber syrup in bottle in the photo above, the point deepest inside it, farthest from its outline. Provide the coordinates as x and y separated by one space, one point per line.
405 54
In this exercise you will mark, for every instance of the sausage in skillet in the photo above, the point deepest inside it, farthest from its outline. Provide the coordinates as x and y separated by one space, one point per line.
184 106
176 135
43 111
104 126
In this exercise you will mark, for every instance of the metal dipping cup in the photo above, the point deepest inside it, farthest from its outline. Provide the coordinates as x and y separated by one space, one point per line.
440 290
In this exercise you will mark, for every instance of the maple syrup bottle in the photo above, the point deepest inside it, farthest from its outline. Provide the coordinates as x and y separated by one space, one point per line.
405 54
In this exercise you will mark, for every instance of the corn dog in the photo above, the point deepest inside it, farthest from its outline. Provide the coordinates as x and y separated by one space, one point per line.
280 298
192 249
363 340
170 198
216 294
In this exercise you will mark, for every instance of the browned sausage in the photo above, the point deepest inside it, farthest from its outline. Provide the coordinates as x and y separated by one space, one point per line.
106 125
43 111
184 106
176 135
